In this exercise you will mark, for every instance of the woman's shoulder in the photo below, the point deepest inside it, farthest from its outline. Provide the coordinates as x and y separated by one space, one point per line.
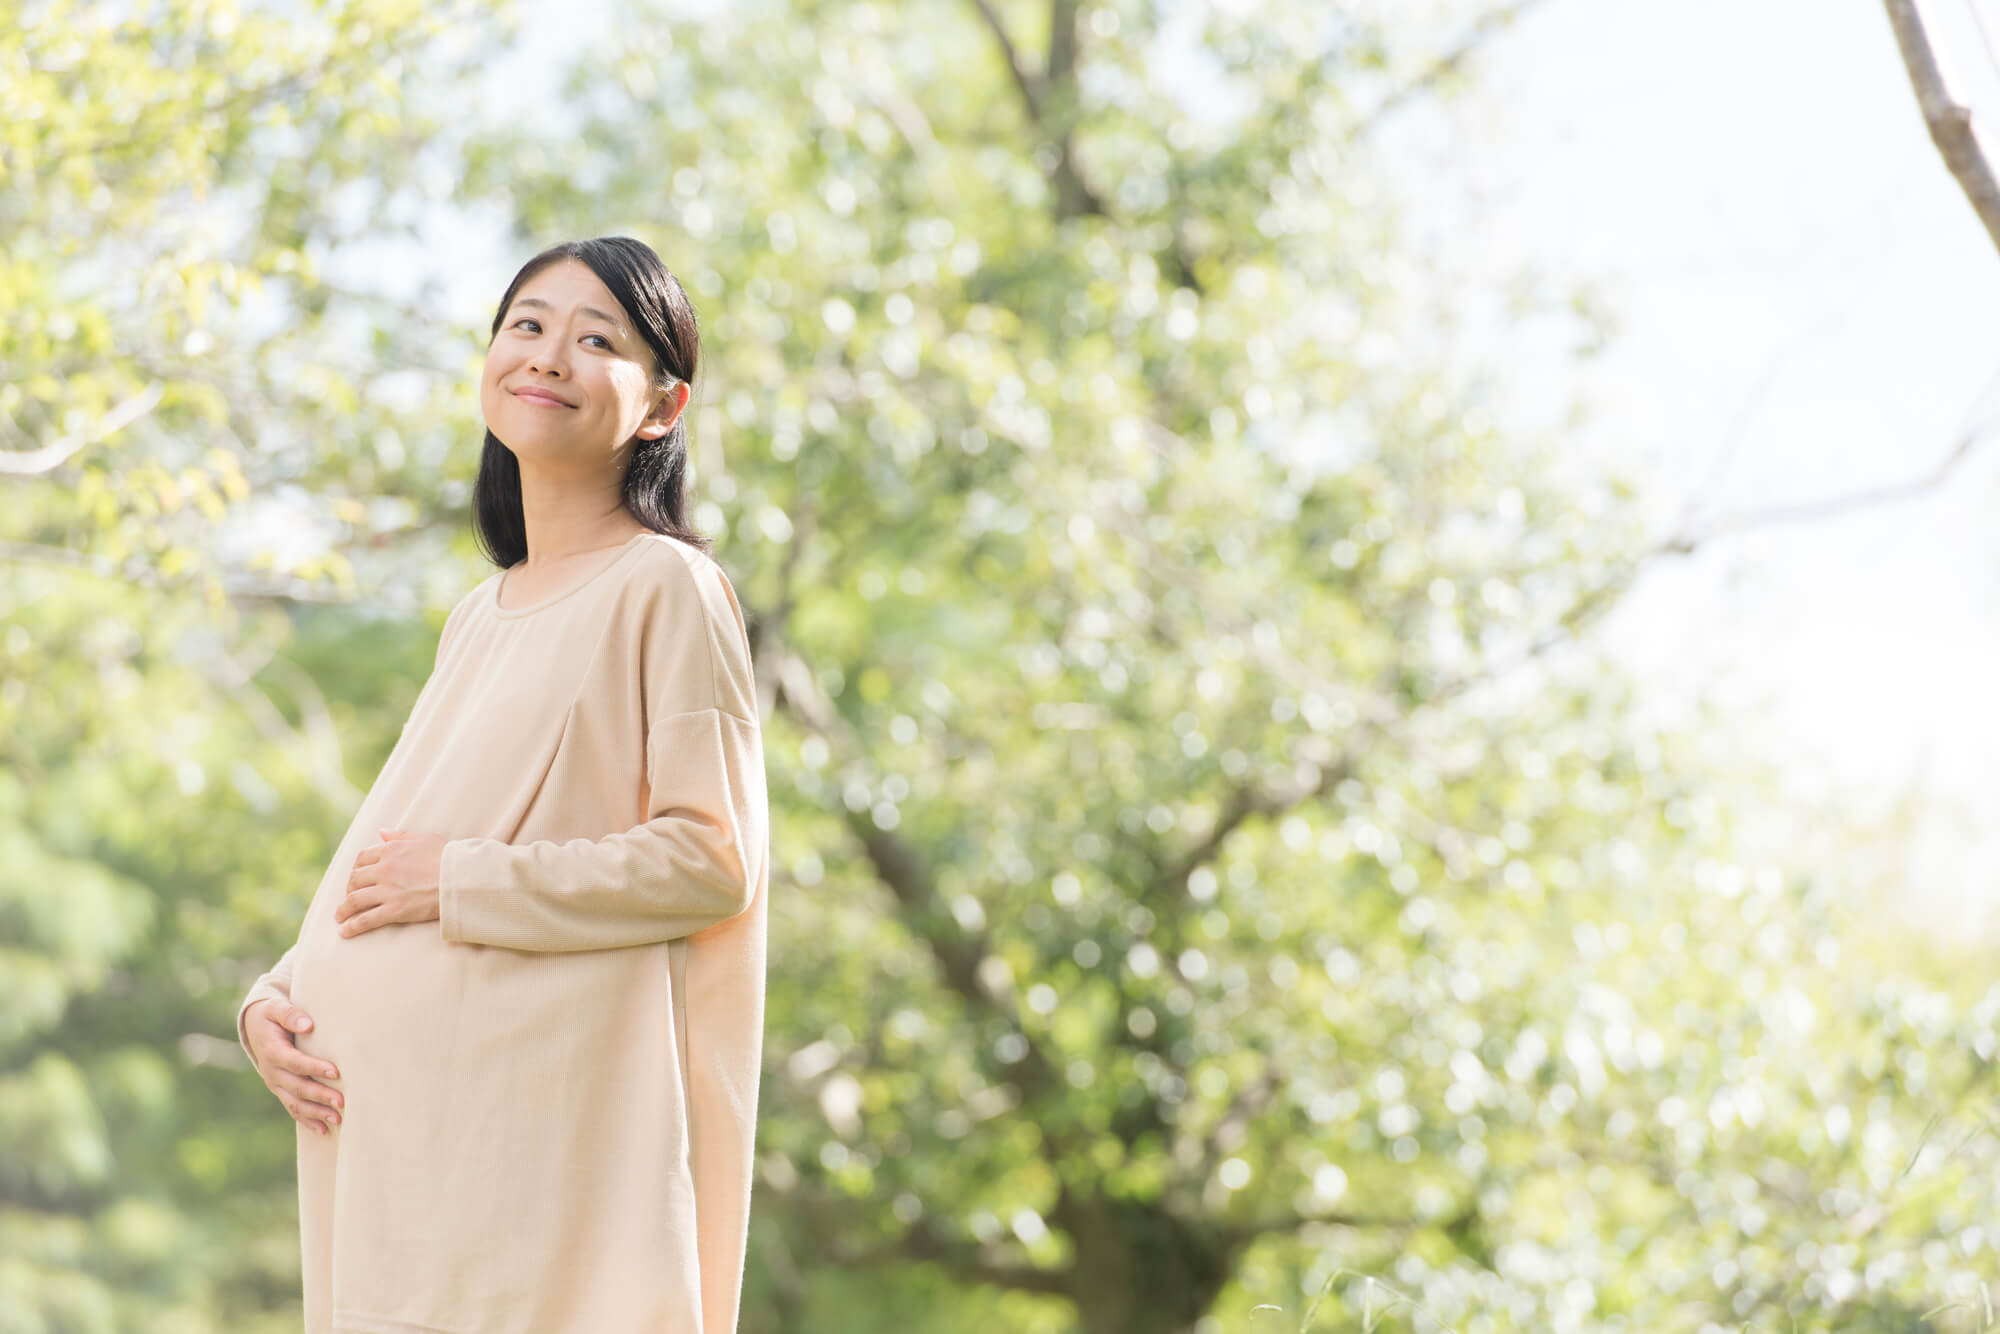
675 568
692 589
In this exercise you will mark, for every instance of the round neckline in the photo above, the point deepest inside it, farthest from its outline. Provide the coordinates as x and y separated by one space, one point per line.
559 595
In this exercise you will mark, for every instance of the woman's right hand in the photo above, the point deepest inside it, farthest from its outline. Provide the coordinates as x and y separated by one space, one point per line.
289 1073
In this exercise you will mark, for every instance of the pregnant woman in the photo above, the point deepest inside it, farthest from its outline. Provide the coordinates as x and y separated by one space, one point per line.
520 1029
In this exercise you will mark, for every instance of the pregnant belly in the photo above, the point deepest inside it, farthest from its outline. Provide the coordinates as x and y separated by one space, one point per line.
418 1026
384 1006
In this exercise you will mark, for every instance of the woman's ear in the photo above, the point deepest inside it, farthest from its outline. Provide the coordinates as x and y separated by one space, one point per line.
666 411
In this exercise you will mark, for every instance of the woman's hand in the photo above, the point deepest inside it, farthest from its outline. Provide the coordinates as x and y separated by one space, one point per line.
288 1072
394 881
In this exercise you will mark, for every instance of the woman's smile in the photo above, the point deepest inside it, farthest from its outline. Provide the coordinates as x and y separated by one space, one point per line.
542 396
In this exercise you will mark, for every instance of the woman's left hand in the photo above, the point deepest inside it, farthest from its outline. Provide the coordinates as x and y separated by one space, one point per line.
394 881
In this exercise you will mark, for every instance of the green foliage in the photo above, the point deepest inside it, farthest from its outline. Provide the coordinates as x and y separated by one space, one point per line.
170 771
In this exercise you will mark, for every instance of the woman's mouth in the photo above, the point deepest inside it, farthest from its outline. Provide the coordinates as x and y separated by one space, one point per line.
540 396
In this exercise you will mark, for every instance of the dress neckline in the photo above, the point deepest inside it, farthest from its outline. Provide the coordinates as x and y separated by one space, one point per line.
553 598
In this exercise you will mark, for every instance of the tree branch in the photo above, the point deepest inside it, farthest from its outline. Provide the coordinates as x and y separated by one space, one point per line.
236 587
1593 603
1247 801
160 121
1483 29
830 1218
49 457
1062 41
958 952
1686 542
1049 98
1949 123
1233 1235
978 1262
1024 78
1234 1124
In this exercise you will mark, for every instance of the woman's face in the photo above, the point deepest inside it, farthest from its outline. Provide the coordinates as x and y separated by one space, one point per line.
567 374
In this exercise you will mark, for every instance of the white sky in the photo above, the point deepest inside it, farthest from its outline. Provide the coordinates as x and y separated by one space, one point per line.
1808 308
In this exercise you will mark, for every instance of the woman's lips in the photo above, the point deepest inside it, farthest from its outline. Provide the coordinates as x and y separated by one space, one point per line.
537 396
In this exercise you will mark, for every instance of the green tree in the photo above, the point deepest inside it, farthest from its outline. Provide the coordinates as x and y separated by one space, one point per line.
187 703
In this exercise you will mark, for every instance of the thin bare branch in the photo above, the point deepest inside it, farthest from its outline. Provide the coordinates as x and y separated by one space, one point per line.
49 457
1486 27
1684 543
1819 325
1949 123
1024 78
1247 801
1596 601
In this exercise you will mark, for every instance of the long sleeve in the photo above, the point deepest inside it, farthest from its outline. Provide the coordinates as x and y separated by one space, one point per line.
698 857
273 985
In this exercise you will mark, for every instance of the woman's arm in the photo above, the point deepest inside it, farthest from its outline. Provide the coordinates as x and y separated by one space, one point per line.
274 985
698 857
695 862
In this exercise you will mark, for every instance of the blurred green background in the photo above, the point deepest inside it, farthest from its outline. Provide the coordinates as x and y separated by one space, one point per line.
1218 884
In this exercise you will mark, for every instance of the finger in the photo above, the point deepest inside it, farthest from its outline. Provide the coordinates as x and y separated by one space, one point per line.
356 899
299 1114
362 922
290 1058
289 1019
323 1096
271 1040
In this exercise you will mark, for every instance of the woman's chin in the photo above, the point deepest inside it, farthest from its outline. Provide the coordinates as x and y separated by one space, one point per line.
525 429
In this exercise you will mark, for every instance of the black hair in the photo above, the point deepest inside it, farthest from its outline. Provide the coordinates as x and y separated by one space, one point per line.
656 476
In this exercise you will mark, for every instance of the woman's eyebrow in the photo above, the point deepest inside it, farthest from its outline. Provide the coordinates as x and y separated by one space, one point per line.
611 320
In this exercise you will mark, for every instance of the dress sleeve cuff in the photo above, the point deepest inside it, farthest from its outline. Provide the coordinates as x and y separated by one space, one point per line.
451 879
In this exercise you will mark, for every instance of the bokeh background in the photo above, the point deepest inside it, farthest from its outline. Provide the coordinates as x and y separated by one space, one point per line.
1378 623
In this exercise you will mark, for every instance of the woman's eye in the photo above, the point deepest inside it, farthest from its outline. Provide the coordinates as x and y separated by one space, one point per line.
526 319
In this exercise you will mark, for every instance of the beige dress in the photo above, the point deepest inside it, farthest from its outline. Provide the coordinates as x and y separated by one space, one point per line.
551 1092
